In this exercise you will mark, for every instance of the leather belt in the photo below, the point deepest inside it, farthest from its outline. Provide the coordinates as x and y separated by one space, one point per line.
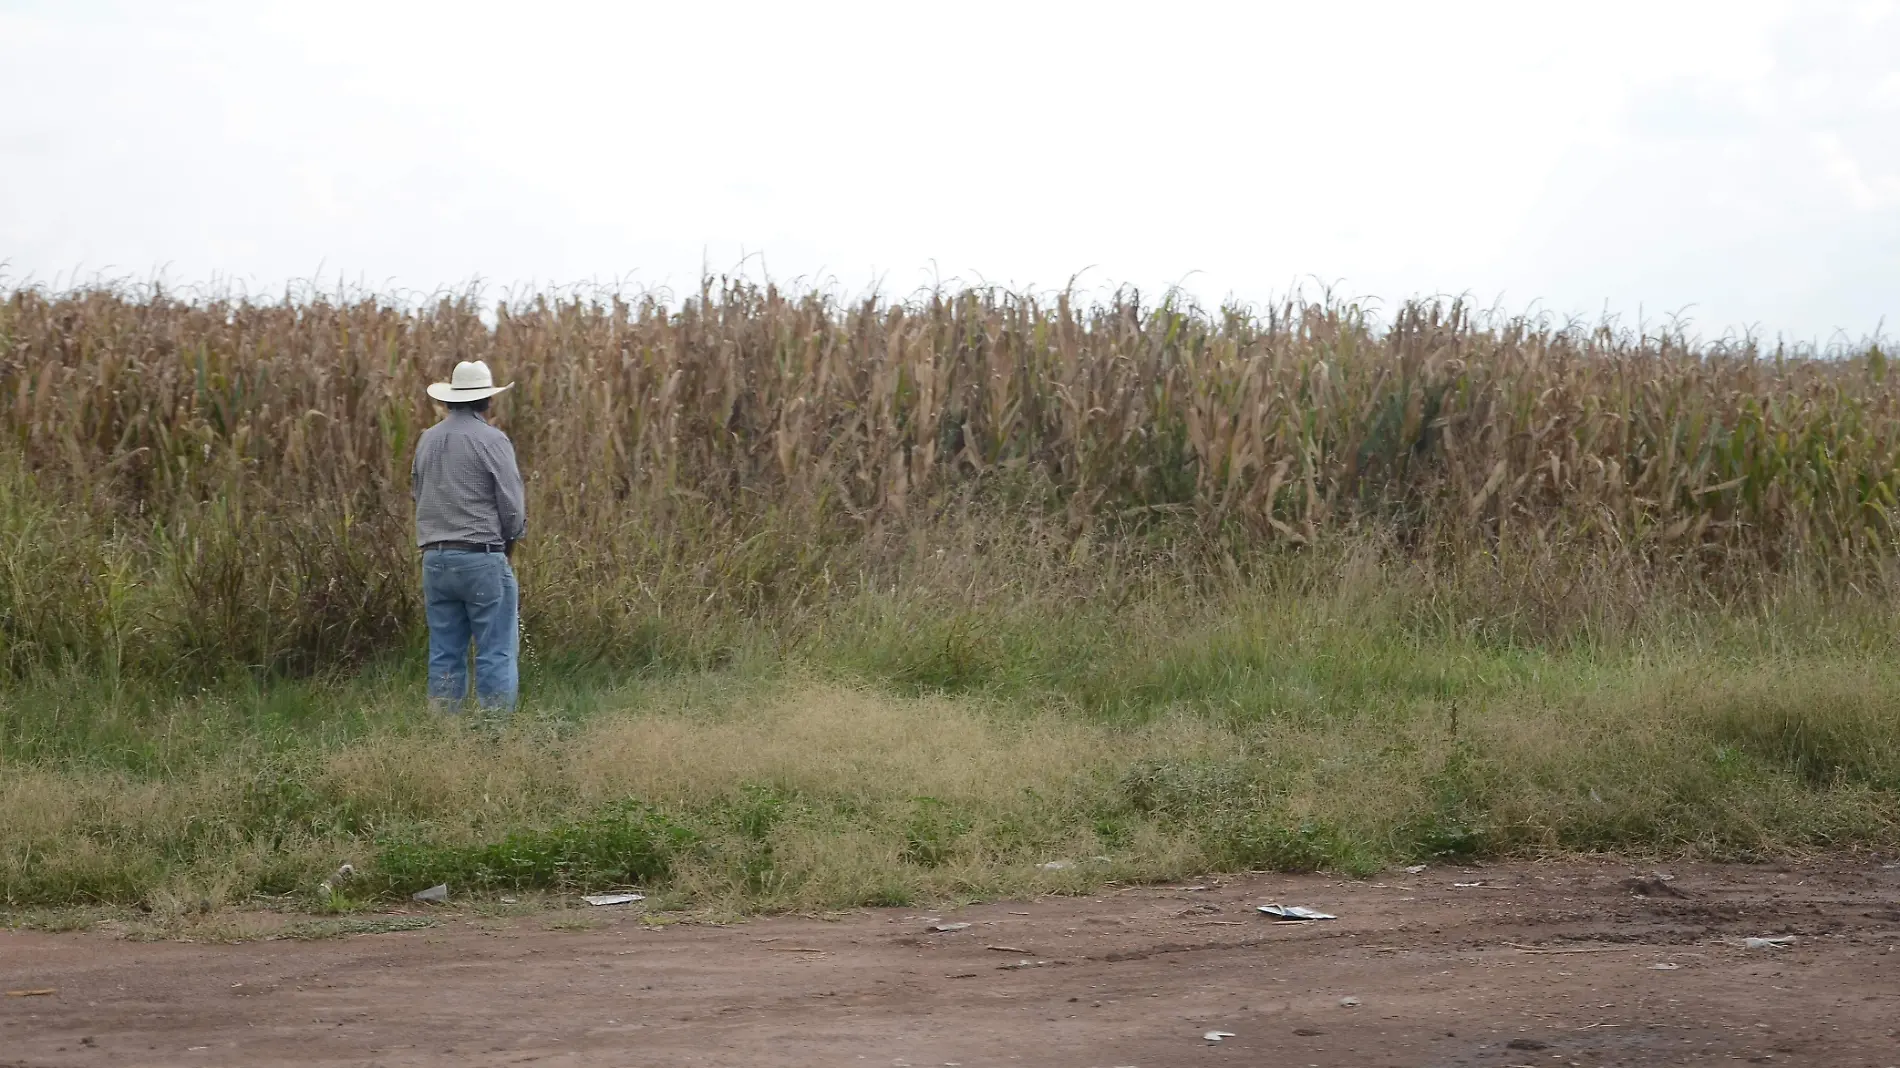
464 546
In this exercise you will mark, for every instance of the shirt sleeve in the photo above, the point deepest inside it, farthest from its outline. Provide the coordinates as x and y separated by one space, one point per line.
510 499
415 475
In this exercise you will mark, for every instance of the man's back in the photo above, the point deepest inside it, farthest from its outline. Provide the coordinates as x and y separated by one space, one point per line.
469 514
465 483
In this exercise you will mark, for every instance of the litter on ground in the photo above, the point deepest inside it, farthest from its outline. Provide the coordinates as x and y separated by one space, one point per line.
1778 942
1296 912
337 878
436 893
1216 1036
948 926
1657 885
613 899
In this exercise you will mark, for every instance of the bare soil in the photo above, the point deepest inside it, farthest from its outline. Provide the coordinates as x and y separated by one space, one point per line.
1547 964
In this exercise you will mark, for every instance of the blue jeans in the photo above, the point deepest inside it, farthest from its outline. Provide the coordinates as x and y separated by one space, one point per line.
472 596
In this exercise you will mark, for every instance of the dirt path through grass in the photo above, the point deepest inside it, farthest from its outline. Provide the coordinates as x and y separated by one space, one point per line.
1527 964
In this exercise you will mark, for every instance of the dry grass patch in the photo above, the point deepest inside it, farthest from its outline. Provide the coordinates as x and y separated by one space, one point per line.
801 793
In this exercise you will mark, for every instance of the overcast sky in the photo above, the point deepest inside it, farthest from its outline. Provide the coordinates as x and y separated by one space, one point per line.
1734 161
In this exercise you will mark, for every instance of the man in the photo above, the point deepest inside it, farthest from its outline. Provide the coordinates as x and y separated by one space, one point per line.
469 514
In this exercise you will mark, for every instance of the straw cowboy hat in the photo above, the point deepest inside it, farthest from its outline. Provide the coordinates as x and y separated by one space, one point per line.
470 382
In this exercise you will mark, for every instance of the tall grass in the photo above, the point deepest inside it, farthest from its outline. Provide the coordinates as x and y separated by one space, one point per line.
834 603
192 486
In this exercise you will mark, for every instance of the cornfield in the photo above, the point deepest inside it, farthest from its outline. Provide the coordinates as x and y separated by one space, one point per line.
214 482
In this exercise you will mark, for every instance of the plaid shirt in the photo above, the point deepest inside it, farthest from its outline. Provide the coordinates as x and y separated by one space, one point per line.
465 483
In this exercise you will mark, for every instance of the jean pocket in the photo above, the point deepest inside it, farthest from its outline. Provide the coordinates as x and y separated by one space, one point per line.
483 579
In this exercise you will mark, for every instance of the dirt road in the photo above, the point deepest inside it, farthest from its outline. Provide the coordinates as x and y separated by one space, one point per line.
1536 964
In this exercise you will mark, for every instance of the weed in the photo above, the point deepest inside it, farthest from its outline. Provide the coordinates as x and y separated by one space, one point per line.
629 843
934 833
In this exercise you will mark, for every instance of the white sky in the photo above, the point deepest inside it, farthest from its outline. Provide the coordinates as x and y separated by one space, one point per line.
1737 161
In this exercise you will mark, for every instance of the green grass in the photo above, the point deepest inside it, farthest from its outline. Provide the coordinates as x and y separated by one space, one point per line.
903 748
